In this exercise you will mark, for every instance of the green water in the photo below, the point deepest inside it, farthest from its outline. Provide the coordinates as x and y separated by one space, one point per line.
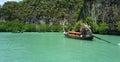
55 47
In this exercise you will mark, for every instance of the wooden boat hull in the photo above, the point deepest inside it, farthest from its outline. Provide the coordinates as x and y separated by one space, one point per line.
78 36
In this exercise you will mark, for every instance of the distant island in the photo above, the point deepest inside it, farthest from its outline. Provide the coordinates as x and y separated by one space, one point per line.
103 16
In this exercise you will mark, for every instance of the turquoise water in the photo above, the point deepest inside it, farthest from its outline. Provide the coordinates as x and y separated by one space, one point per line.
55 47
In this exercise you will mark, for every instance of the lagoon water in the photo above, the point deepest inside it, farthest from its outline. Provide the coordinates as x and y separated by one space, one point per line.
55 47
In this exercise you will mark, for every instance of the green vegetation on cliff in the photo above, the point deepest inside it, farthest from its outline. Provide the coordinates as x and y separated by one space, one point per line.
39 15
99 28
49 15
32 11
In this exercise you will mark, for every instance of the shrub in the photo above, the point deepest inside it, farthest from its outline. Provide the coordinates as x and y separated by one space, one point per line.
30 27
51 28
55 28
59 28
89 20
3 26
68 27
15 26
94 26
118 26
78 25
43 28
103 28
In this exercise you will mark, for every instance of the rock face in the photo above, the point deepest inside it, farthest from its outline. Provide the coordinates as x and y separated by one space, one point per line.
102 11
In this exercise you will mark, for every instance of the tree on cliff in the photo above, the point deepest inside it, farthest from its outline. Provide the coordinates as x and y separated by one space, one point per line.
32 11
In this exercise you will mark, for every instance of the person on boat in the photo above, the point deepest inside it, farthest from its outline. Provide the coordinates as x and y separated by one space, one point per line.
85 30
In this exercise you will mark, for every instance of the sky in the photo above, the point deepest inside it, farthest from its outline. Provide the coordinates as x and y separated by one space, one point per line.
2 1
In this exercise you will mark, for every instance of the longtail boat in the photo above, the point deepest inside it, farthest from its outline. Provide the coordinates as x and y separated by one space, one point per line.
78 35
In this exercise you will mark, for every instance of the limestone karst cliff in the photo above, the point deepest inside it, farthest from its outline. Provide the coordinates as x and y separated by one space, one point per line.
102 11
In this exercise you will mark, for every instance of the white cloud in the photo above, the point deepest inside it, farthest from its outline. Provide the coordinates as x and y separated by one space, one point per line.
14 0
11 0
1 3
